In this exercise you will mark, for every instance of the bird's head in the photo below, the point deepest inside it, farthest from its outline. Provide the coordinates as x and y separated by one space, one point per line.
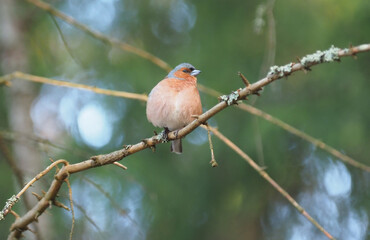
184 71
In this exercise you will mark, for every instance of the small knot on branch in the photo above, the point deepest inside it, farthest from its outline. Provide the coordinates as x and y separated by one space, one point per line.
257 92
95 159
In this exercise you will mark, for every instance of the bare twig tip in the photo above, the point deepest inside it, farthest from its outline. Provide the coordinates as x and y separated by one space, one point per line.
213 160
38 197
214 163
245 80
120 165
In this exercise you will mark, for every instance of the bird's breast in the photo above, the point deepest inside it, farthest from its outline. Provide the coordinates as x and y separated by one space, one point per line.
172 103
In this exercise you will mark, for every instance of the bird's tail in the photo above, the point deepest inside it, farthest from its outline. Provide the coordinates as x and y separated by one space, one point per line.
176 146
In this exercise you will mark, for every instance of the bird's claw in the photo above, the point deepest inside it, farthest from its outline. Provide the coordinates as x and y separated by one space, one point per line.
163 136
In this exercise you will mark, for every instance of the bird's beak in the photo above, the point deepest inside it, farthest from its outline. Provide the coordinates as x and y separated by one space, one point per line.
195 72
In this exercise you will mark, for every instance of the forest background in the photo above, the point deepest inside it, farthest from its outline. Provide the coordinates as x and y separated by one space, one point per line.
169 196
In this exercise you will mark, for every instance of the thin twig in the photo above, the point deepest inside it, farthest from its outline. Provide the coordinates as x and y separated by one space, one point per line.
11 162
10 203
72 209
304 136
111 41
17 136
16 170
40 175
120 165
86 216
258 141
245 80
213 160
33 78
264 174
112 201
38 197
14 214
66 45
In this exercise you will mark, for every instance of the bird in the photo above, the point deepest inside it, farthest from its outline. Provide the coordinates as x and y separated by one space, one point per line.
174 101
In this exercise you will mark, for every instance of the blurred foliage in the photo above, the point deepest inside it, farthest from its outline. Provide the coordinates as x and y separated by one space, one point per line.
167 196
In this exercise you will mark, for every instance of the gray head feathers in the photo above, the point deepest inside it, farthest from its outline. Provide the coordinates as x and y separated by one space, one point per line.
181 65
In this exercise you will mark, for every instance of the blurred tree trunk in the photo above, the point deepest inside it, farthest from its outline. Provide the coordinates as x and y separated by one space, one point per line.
14 57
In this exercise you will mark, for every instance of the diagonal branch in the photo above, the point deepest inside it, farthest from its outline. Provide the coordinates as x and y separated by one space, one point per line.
264 174
111 41
21 224
305 136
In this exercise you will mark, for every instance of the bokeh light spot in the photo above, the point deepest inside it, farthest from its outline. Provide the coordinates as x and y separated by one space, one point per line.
94 127
337 180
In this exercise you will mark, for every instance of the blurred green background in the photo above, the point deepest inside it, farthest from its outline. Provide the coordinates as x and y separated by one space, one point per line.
168 196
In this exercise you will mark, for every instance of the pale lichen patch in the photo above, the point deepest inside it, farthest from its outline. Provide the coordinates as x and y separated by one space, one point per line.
330 55
231 98
8 205
280 71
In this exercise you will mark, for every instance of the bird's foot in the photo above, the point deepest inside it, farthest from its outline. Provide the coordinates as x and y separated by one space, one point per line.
163 136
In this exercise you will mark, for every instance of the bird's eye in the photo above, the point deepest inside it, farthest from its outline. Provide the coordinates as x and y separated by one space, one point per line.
186 70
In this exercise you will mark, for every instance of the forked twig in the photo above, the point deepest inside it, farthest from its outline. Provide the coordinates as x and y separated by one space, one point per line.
14 199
